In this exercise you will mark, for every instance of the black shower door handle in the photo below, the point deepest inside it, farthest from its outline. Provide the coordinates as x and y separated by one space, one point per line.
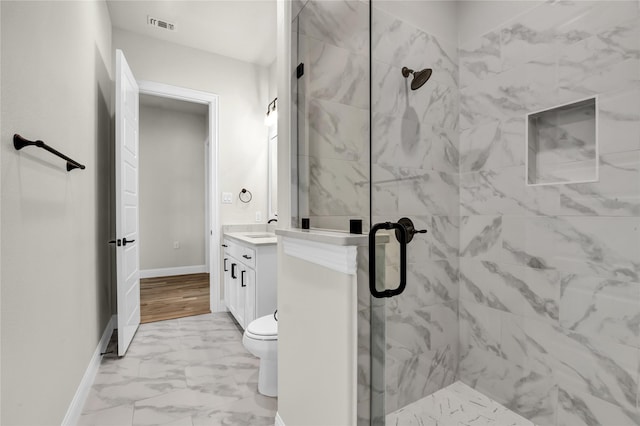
401 233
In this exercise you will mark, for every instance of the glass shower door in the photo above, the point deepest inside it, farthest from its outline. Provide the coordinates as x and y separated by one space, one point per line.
414 185
520 155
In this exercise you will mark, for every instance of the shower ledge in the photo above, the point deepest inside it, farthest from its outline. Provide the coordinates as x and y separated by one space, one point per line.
331 249
335 238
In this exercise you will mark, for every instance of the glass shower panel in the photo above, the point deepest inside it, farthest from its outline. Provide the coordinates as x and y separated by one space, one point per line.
333 112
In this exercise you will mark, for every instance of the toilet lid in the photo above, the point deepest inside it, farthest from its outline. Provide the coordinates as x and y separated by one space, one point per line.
264 326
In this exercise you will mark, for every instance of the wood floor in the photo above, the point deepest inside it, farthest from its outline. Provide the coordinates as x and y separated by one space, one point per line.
164 298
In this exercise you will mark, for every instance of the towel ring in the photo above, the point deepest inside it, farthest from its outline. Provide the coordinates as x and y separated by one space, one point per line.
243 197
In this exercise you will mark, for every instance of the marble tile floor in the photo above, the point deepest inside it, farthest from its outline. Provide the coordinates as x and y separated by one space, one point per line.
456 405
189 371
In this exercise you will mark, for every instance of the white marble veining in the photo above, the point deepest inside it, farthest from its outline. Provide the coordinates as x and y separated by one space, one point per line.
524 291
343 24
337 131
619 127
607 309
418 367
616 193
492 145
549 294
434 192
337 74
337 187
480 59
456 404
189 371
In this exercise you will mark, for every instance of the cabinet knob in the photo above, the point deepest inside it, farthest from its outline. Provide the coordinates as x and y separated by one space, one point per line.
246 257
224 245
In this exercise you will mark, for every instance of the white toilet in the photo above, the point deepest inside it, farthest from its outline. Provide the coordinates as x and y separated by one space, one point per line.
261 339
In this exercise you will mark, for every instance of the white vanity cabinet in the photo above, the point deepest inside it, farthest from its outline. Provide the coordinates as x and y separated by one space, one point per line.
249 276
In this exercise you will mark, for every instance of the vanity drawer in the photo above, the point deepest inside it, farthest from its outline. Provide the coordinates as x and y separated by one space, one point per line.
244 254
247 256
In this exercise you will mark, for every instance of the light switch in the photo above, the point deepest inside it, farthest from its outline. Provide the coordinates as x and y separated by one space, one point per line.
227 197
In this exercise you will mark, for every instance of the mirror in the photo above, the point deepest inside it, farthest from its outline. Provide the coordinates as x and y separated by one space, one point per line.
273 173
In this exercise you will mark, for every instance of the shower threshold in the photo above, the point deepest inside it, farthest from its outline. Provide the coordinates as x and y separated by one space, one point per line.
457 404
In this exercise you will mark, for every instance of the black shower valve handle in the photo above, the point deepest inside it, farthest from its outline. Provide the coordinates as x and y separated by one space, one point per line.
410 230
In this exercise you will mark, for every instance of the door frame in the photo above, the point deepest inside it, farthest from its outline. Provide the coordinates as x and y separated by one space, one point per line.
212 207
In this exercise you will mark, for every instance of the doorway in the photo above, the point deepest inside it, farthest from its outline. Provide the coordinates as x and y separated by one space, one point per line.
178 210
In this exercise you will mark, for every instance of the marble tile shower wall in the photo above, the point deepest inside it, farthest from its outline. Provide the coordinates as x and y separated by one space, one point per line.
549 302
415 174
333 100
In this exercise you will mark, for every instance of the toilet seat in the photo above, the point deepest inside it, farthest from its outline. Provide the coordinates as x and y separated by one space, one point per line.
264 328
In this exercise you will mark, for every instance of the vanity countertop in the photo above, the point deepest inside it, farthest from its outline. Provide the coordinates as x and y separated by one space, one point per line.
253 238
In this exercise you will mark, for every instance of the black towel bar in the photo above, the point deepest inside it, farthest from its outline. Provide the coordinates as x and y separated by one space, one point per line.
19 142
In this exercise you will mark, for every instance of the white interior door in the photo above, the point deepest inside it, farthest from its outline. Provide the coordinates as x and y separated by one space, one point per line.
128 254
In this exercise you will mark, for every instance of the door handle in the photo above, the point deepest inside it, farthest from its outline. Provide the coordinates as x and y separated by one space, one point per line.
246 257
125 241
233 271
401 234
117 242
404 230
225 265
224 245
242 284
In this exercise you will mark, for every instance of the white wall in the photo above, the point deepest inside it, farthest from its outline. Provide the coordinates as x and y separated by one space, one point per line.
56 86
172 188
284 82
243 92
0 227
273 80
317 341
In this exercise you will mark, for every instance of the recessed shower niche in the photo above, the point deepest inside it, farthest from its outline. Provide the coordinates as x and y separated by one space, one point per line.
562 144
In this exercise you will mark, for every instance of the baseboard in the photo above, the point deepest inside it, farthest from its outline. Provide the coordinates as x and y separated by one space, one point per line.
168 272
77 403
279 421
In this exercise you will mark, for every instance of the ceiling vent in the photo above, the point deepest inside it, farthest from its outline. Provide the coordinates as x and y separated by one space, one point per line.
154 22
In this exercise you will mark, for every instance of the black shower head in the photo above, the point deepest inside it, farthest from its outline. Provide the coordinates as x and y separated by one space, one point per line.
419 77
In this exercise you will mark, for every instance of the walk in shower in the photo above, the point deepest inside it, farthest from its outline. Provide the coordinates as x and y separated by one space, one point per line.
510 131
